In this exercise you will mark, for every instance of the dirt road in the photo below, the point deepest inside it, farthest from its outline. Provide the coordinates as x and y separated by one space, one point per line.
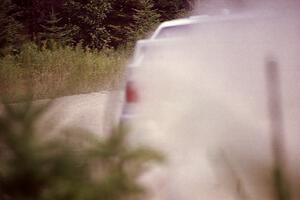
94 112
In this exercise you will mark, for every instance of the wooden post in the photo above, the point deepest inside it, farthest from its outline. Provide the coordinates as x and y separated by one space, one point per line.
276 127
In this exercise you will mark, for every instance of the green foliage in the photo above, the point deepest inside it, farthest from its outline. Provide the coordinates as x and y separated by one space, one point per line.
76 25
172 9
130 20
33 13
87 18
11 30
77 166
61 70
144 19
53 32
94 24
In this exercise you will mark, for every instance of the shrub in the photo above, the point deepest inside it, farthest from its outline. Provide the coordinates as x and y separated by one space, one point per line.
57 168
60 71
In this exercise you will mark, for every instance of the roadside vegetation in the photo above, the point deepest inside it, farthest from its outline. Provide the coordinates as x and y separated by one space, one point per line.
75 165
63 47
59 71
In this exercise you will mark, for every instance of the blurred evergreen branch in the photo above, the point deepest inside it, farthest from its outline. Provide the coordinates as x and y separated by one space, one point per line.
78 166
282 189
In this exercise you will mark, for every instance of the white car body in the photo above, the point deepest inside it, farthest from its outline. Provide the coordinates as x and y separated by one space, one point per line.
203 101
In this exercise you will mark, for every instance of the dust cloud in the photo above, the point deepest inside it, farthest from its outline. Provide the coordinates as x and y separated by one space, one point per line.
205 104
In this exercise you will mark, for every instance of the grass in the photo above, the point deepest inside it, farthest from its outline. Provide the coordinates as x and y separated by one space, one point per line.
48 73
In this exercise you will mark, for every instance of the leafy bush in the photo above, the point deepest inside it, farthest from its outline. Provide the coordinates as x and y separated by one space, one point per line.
77 166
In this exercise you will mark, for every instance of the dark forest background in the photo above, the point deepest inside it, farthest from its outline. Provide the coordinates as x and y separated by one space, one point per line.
95 24
65 47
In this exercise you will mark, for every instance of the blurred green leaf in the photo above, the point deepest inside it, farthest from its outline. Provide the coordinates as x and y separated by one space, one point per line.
75 166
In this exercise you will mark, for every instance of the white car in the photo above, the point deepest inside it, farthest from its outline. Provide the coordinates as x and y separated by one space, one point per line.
213 93
167 34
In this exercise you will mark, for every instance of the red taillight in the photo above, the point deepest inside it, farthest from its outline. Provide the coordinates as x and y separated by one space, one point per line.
131 93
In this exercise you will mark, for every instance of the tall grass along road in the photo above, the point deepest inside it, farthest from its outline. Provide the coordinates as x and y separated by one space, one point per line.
59 71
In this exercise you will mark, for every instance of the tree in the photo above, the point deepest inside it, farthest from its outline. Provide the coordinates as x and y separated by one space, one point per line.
172 9
11 30
52 31
87 17
144 19
33 13
118 20
94 23
128 18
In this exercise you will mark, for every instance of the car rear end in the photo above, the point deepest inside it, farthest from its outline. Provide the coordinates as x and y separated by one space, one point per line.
204 102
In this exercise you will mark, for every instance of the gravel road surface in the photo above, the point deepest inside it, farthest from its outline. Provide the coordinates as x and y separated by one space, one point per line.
94 112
